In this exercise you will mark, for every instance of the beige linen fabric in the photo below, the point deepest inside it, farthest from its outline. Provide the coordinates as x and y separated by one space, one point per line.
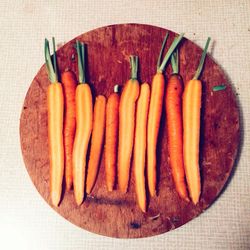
26 221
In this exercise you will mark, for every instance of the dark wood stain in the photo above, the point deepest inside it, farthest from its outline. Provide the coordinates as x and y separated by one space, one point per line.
107 201
114 214
135 225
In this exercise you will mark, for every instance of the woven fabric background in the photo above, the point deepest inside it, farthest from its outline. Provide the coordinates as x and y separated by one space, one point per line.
26 221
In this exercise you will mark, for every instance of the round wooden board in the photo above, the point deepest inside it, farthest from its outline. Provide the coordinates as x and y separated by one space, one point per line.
115 214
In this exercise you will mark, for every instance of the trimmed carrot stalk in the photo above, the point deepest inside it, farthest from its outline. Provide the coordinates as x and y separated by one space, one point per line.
69 83
127 107
173 103
111 137
154 116
191 135
96 141
55 102
56 151
141 145
84 120
191 130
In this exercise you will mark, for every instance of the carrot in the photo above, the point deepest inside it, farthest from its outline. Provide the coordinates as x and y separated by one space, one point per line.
127 106
173 103
69 83
111 135
154 116
141 144
191 130
96 141
55 126
84 119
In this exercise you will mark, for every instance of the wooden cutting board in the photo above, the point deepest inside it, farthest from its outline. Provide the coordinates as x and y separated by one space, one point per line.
115 214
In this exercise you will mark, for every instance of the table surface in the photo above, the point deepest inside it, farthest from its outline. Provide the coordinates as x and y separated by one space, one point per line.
27 222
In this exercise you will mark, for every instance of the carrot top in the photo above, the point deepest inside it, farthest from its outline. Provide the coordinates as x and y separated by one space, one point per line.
161 67
202 60
134 67
161 51
175 62
51 67
80 47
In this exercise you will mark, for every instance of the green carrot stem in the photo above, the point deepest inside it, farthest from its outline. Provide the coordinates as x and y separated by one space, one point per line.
54 58
202 60
48 62
169 53
83 60
80 47
219 87
162 48
116 88
134 67
175 62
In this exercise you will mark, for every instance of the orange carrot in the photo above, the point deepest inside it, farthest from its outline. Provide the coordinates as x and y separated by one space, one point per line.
141 144
191 130
55 126
84 119
127 106
111 134
173 103
96 141
69 83
154 116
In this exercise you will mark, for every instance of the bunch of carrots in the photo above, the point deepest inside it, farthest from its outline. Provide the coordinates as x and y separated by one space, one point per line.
127 124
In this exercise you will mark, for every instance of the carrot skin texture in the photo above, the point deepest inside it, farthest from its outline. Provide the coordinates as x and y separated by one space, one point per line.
141 145
55 104
127 107
154 118
173 104
69 83
96 141
111 134
84 123
191 136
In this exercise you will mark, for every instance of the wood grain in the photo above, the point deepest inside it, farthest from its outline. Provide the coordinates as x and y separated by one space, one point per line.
114 214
